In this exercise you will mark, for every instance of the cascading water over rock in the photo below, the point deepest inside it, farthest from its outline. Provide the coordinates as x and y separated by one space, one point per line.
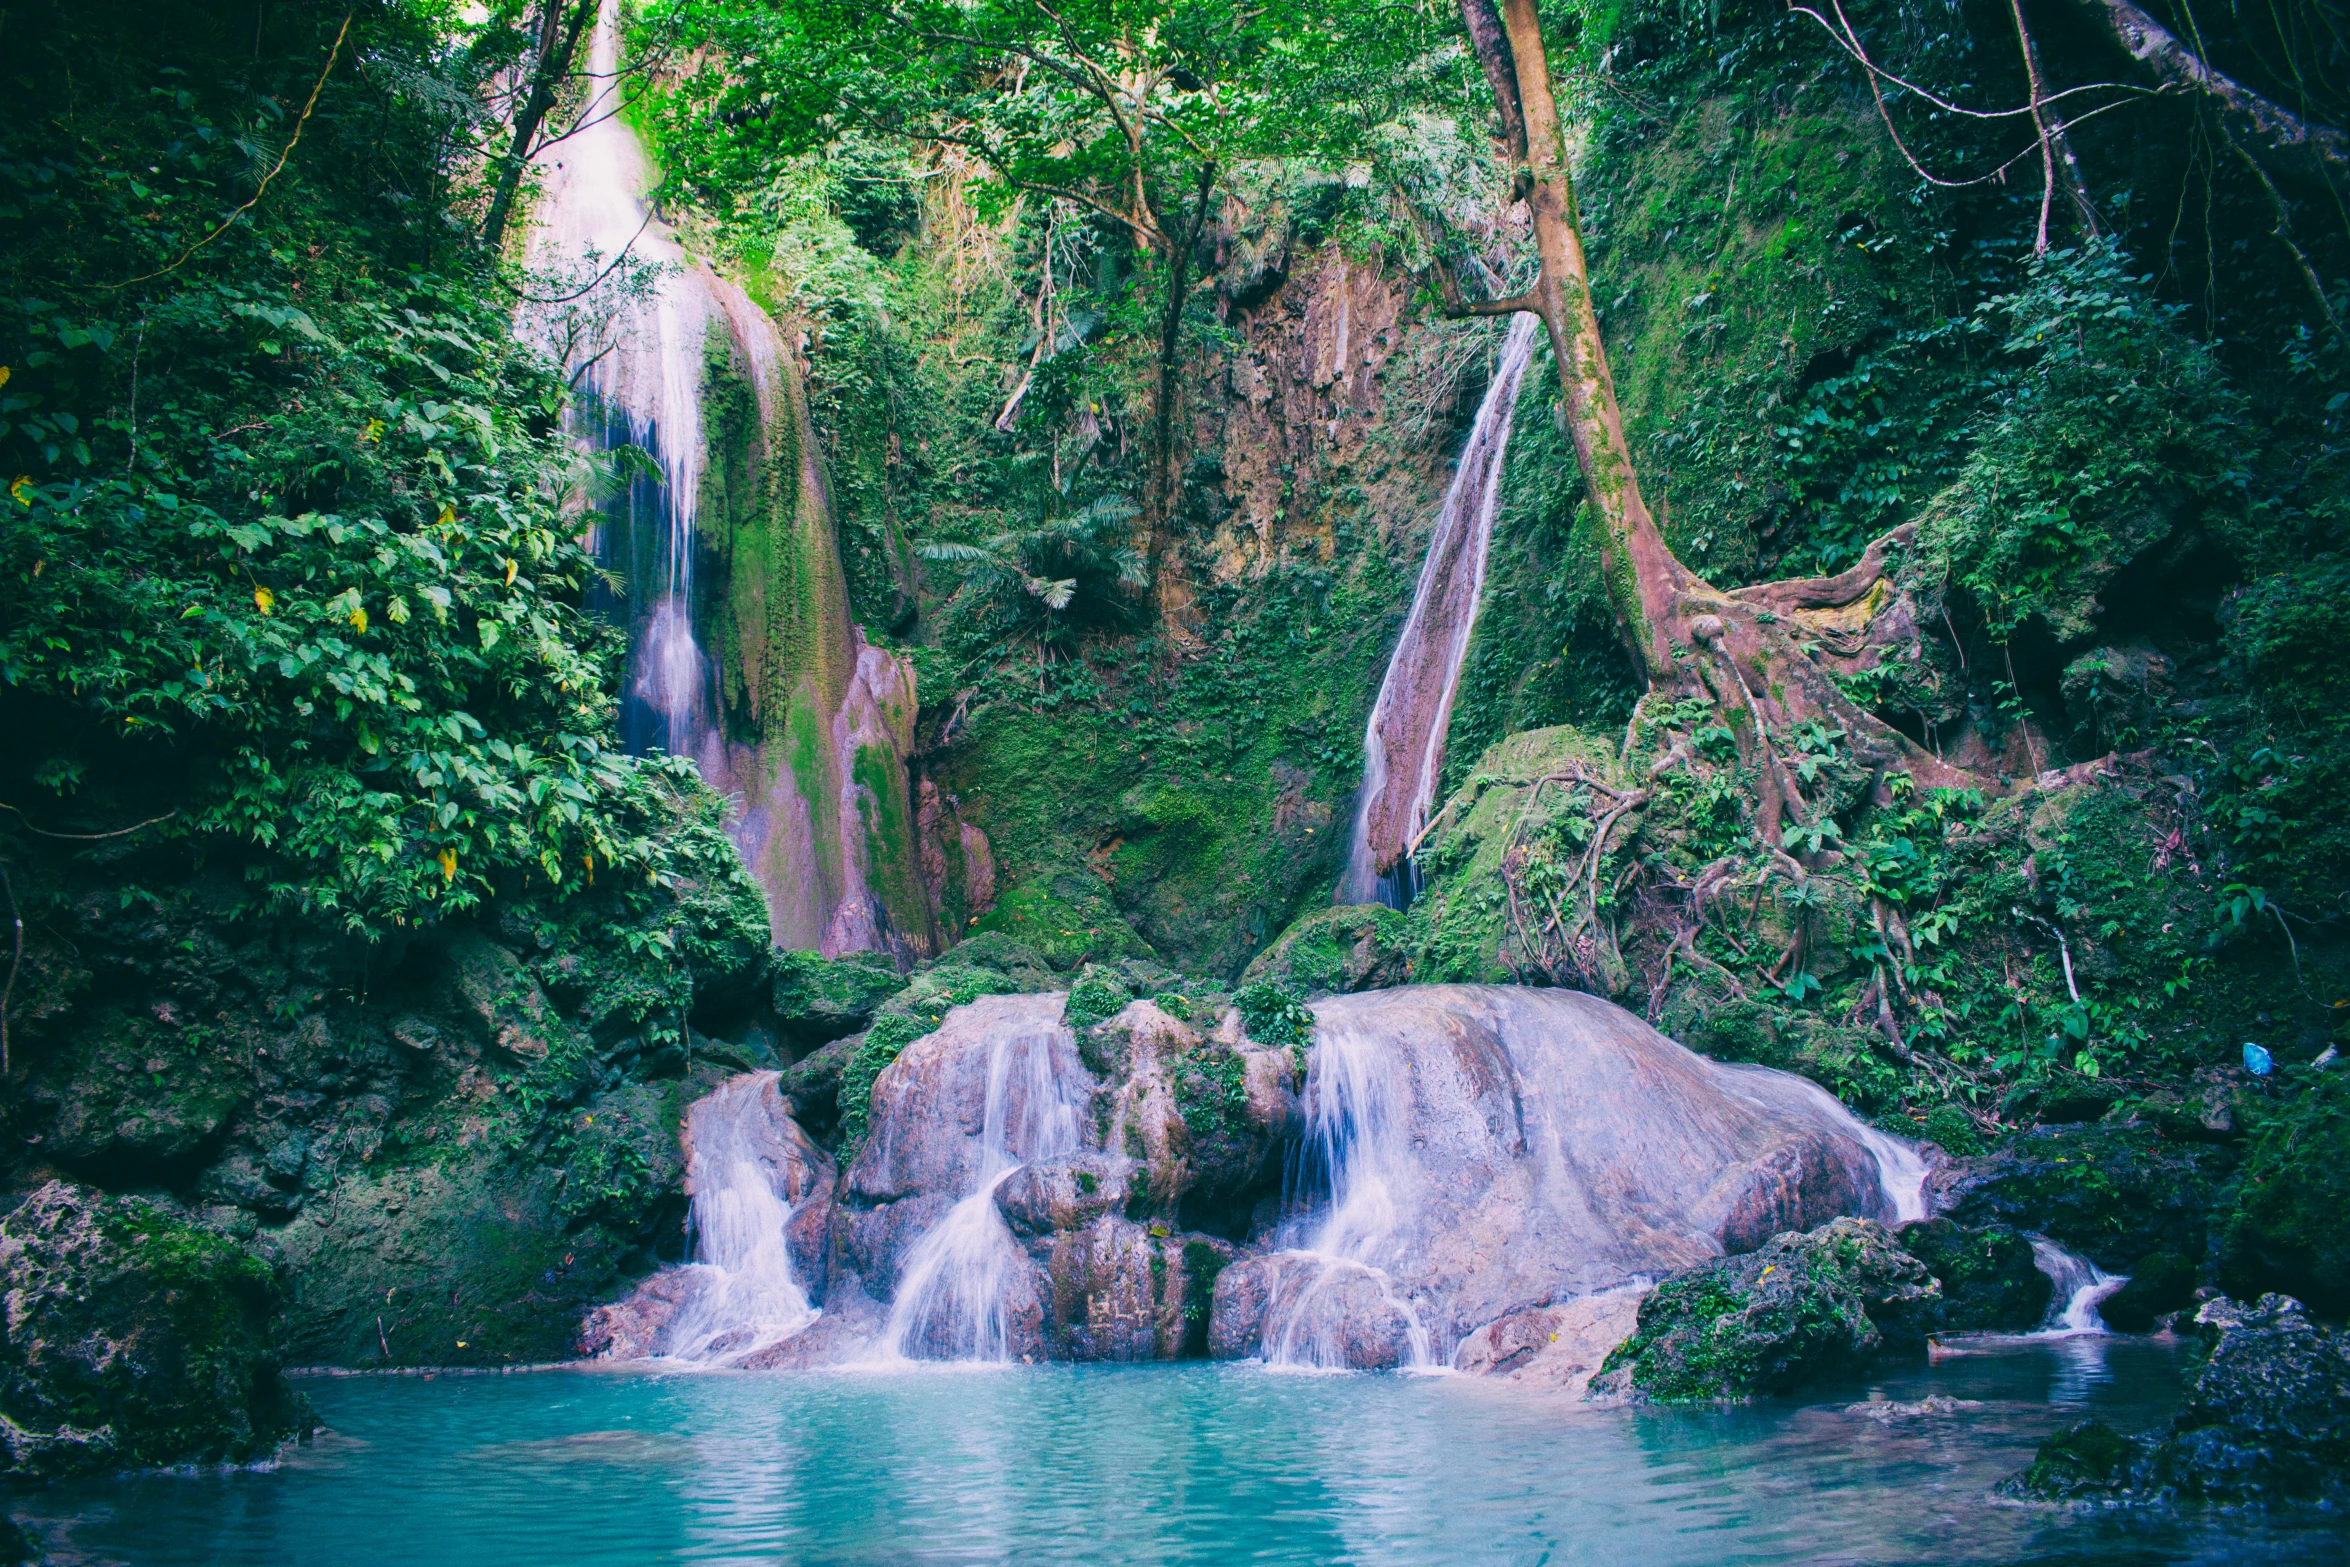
1403 744
1474 1151
750 1173
742 654
961 1285
2078 1287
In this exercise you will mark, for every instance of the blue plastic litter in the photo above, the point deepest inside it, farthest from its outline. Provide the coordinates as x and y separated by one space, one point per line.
2257 1061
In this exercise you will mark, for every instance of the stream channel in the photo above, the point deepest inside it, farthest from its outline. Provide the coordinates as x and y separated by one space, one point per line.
1189 1463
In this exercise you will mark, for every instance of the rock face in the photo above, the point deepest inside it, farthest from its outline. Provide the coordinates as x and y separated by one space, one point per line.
133 1339
1482 1150
1803 1309
2115 1194
2266 1419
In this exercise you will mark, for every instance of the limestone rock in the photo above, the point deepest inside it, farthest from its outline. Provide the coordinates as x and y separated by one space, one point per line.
1560 1346
133 1339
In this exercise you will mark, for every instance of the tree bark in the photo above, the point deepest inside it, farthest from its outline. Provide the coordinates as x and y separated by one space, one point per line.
558 45
1165 489
1739 650
2155 46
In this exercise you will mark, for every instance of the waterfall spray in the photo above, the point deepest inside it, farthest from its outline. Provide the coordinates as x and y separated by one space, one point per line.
741 1295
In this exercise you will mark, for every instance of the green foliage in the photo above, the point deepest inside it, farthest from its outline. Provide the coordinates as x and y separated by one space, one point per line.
289 544
1095 998
1026 579
2113 428
876 1049
1274 1016
2287 1232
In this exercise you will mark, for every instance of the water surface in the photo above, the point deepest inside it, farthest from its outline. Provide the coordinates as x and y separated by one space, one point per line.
1157 1464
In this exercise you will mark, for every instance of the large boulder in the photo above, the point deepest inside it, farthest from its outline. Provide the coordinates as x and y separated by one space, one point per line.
133 1338
1803 1309
2266 1419
1560 1347
1489 1149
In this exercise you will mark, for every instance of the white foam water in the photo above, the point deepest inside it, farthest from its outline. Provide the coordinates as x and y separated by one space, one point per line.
2079 1287
1403 742
740 1296
954 1295
1357 1135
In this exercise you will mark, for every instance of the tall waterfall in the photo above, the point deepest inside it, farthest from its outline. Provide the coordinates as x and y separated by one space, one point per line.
742 652
1403 744
953 1295
739 1296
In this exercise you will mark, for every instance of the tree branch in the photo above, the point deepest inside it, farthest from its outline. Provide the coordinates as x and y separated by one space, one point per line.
2151 44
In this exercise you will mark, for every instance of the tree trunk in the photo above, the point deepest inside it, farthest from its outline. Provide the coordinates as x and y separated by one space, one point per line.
1738 649
558 46
1164 489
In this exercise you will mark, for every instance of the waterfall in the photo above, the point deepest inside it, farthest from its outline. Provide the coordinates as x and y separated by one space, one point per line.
2079 1287
754 669
1403 744
1357 1140
1470 1151
954 1286
739 1296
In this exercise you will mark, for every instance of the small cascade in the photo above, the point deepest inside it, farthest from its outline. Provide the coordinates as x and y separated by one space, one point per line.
2080 1286
1357 1144
954 1287
752 667
1901 1172
1403 744
741 1296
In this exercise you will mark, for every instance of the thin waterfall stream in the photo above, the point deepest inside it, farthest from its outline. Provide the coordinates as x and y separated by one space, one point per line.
1403 742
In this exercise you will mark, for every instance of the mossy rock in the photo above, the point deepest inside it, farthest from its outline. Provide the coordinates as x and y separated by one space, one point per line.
1801 1310
135 1339
1990 1282
1336 951
2290 1228
1062 922
2114 1193
817 998
1458 929
2160 1283
2088 1460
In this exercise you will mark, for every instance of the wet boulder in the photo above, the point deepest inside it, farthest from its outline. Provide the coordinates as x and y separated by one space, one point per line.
1990 1282
1803 1309
1293 1308
133 1339
1559 1346
1064 1194
2265 1419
